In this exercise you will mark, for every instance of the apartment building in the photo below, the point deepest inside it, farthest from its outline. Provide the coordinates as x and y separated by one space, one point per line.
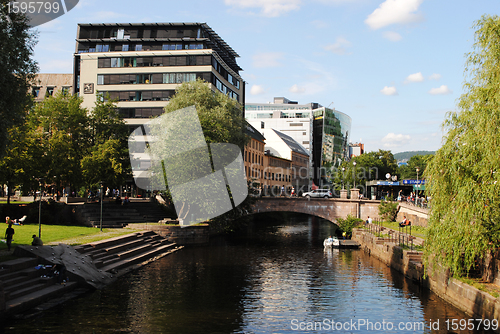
141 64
253 156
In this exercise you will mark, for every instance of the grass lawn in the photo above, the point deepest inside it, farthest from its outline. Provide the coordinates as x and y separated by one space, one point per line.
417 231
55 234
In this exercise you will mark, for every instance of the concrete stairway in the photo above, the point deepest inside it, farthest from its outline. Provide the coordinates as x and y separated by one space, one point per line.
24 286
122 254
117 216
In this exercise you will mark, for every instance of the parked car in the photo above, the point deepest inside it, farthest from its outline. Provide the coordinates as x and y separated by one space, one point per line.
322 193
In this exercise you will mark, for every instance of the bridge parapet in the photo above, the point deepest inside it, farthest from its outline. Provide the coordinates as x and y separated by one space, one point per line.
329 209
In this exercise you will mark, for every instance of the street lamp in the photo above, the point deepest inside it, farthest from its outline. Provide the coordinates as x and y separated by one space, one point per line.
100 193
354 173
343 170
40 179
418 185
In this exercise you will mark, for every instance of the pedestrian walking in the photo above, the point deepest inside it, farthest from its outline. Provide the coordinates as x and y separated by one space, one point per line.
9 233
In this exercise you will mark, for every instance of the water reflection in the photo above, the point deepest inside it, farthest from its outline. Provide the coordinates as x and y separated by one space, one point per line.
274 278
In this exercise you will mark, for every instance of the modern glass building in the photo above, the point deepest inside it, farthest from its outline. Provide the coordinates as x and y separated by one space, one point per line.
330 141
324 132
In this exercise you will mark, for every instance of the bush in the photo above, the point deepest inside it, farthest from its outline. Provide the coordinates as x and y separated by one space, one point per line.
388 210
347 224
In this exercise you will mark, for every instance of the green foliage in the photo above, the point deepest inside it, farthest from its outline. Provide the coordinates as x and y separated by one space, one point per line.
347 224
67 145
388 210
369 166
221 117
464 175
409 171
17 69
222 121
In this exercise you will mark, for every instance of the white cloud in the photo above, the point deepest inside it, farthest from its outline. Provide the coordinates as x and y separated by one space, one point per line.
443 90
269 8
389 91
394 12
295 89
267 59
392 36
339 47
395 140
415 77
435 76
257 90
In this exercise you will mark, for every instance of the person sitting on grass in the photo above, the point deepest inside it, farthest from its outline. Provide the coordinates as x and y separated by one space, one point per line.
405 222
36 241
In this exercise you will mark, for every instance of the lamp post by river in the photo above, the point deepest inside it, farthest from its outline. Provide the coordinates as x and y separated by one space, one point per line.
100 195
343 170
354 173
40 179
418 185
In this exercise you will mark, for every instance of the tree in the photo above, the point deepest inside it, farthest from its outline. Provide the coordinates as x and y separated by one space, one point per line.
369 166
409 171
464 175
221 120
17 69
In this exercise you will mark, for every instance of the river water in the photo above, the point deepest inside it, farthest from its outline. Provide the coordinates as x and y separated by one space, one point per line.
273 278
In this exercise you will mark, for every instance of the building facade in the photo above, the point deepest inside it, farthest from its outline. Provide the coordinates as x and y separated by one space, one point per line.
277 176
140 65
283 146
51 84
322 131
284 115
253 157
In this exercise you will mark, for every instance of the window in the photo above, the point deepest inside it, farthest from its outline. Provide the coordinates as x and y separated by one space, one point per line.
138 47
102 47
36 91
125 47
100 79
120 34
262 125
50 91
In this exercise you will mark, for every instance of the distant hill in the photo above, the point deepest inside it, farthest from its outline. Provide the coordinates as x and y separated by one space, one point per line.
407 155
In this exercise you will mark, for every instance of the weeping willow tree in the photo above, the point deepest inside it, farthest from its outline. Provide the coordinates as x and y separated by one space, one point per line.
465 174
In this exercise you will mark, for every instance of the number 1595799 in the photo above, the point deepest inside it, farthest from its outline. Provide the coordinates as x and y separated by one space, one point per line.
33 7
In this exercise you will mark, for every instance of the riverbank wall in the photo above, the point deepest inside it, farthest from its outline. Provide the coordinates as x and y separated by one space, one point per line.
474 302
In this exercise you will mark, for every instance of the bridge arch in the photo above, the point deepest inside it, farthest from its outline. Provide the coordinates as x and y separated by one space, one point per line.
329 209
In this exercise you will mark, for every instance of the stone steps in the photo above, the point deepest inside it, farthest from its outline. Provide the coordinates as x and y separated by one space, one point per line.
121 253
117 216
24 286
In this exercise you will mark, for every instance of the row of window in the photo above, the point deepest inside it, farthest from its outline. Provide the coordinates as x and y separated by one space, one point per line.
49 91
87 32
93 47
150 78
163 95
140 112
254 158
256 173
108 62
118 62
145 95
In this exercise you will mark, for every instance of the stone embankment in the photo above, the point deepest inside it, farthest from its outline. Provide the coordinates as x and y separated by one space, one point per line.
26 287
472 301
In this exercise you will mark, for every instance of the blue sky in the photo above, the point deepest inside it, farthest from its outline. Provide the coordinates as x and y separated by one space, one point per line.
395 66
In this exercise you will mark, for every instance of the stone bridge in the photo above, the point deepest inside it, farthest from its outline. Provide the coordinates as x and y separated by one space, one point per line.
329 209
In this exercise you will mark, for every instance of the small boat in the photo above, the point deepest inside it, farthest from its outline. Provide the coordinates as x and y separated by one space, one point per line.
331 243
